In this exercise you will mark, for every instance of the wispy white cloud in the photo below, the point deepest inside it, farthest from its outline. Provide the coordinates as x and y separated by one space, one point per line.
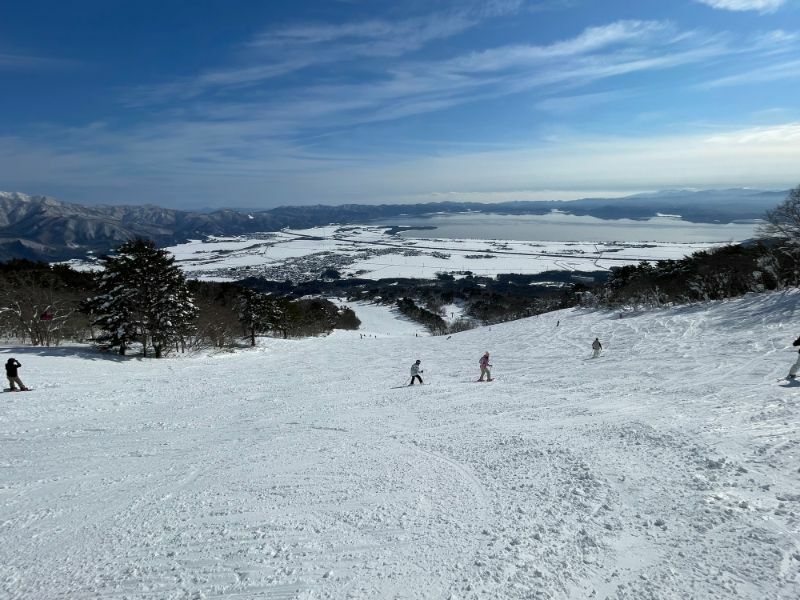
281 142
779 136
406 87
394 82
283 50
776 41
561 105
592 39
762 6
760 157
143 167
24 62
417 87
210 131
373 38
762 74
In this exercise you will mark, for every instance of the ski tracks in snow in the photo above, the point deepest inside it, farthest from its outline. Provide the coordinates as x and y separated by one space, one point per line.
665 469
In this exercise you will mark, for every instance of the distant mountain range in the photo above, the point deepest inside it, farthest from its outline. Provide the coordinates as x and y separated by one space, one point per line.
42 228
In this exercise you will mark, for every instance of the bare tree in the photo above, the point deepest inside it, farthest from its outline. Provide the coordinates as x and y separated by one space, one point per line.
782 228
783 221
35 310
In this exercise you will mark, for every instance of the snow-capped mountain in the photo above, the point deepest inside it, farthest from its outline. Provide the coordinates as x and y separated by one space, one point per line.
45 228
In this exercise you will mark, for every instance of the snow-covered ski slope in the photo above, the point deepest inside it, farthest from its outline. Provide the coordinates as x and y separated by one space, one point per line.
667 468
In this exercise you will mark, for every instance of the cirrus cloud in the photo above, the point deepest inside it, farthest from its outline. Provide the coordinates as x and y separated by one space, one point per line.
762 6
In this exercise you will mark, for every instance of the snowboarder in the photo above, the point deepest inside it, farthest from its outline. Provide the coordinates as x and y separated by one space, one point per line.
485 367
596 347
793 370
415 371
11 372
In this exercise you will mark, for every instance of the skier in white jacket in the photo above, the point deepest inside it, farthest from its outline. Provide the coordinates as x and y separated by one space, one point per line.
415 371
794 368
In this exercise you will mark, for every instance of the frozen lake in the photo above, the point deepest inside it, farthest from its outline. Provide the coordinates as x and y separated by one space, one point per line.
560 227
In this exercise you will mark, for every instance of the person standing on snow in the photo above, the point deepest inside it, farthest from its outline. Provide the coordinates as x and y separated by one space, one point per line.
485 367
596 347
415 371
11 372
793 370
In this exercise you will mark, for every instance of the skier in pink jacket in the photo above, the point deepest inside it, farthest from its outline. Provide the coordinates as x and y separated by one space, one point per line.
485 367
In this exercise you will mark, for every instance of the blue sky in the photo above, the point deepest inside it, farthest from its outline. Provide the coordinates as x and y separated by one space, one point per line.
257 104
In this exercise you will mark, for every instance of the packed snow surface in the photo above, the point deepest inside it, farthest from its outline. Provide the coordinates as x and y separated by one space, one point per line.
666 468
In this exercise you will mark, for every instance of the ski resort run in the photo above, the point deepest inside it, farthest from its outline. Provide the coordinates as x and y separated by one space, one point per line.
665 468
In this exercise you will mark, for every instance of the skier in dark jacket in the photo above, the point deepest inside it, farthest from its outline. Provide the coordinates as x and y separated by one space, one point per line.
793 370
415 371
596 348
11 372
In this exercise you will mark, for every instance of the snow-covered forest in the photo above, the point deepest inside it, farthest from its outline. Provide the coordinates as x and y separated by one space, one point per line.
306 468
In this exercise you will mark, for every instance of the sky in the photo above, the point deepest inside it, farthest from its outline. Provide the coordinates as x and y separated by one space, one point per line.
244 103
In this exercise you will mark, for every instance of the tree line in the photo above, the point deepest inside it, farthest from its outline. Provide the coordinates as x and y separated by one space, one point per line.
769 262
141 299
482 300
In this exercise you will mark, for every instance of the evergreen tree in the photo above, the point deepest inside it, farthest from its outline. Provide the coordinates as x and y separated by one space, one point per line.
262 313
143 297
253 313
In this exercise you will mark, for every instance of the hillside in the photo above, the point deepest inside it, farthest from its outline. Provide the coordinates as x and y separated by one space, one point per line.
42 228
666 468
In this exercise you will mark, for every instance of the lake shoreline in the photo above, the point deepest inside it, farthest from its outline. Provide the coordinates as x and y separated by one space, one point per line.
563 227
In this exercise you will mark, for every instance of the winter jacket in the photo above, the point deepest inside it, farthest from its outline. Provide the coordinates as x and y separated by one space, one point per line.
11 368
596 345
415 370
484 361
796 343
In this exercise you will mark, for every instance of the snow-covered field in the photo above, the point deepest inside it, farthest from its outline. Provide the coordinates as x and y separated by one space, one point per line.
666 468
367 252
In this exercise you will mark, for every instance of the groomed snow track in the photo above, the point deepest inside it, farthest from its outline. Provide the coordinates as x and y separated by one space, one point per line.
666 468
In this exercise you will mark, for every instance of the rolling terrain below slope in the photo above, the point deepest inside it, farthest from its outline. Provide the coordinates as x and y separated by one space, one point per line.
665 468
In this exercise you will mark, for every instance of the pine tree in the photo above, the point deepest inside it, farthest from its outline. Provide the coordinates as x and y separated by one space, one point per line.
261 313
143 297
253 313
